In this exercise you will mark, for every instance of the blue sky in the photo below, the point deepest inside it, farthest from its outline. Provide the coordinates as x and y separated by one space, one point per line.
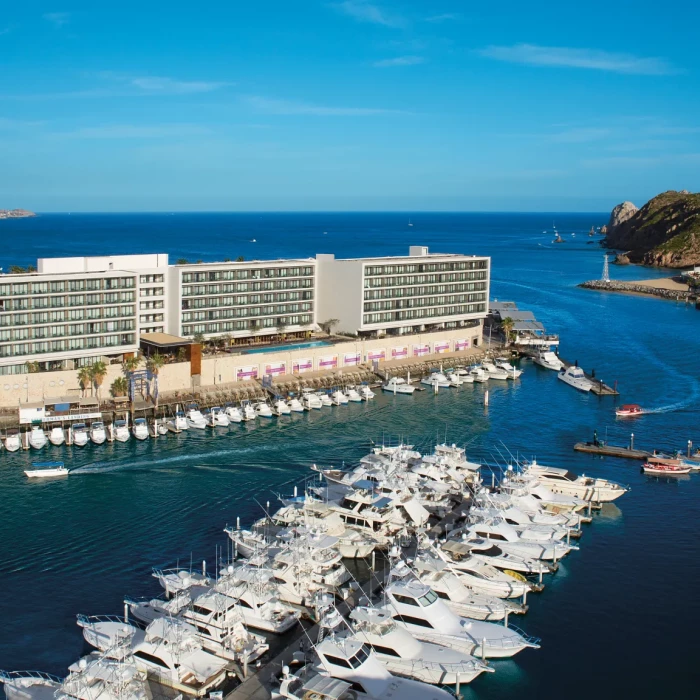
346 105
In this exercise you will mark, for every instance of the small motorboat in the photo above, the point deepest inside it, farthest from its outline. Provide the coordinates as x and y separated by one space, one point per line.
352 394
121 431
280 408
398 385
366 393
661 469
98 434
37 438
80 434
263 410
42 470
140 429
234 414
194 417
295 405
12 441
57 437
629 410
216 417
324 398
247 411
177 423
162 427
338 398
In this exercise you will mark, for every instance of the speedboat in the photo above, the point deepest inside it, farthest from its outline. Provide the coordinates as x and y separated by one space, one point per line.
216 418
12 440
98 434
547 359
140 428
454 379
37 437
178 422
294 405
42 470
436 379
629 410
493 371
661 469
397 385
194 418
234 414
162 427
512 371
324 398
352 394
310 401
247 411
80 434
56 436
575 377
478 374
263 410
338 398
280 407
366 393
121 431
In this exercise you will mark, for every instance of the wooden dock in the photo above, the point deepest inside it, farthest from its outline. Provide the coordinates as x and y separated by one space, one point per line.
599 387
611 450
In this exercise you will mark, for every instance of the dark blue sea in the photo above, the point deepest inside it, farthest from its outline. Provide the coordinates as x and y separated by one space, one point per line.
620 618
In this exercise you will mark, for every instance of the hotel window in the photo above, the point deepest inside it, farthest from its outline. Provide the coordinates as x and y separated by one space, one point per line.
5 290
40 287
94 298
20 349
92 285
20 289
41 347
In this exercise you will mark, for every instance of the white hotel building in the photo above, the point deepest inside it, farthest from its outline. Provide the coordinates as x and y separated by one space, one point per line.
74 311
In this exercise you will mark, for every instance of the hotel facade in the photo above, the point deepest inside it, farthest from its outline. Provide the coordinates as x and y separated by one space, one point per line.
75 311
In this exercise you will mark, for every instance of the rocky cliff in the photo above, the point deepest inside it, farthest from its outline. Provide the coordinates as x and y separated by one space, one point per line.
620 214
665 232
15 213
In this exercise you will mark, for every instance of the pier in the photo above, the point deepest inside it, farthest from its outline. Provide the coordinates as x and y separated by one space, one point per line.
599 386
612 450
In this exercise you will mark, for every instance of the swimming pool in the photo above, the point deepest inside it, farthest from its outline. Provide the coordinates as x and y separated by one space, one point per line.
284 348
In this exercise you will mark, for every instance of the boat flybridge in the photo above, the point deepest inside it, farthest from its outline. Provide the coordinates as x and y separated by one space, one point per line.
547 359
437 379
398 385
37 437
493 371
140 429
121 431
574 376
57 436
565 482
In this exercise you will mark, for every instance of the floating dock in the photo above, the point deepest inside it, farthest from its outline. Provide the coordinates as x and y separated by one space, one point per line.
612 450
599 387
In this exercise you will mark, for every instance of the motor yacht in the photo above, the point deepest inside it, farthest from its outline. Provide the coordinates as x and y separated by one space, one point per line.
263 410
352 394
80 434
37 437
504 364
57 436
178 422
180 579
338 398
547 359
478 374
140 429
398 385
310 401
325 398
121 431
279 407
454 379
233 413
575 377
420 610
98 434
246 542
493 371
366 393
194 418
247 411
436 379
565 482
30 685
294 405
217 418
12 440
510 541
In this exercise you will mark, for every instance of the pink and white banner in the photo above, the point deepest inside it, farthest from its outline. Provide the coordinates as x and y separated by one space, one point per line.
461 344
400 352
249 372
376 355
441 346
420 350
328 362
275 368
305 365
351 359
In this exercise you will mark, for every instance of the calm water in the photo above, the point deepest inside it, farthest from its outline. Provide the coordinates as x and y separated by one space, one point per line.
618 619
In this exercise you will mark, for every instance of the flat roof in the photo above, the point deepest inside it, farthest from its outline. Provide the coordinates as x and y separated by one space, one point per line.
164 339
243 263
416 258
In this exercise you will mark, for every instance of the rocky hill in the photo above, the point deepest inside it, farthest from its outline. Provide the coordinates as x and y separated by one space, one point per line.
15 213
665 232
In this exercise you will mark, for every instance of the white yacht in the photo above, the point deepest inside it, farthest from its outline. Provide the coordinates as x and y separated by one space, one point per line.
280 408
37 437
478 374
140 428
352 394
263 410
575 377
310 401
194 418
12 440
398 385
43 470
80 434
493 371
57 436
161 426
324 398
338 398
511 370
570 484
121 431
234 414
294 405
98 434
547 359
510 541
247 411
418 608
177 423
180 579
216 418
30 685
366 393
454 379
436 379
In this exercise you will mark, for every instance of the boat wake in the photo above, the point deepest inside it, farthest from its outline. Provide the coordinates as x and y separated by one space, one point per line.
679 406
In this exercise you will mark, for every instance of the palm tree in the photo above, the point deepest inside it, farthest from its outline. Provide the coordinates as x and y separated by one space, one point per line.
507 328
32 367
84 378
155 363
98 371
329 325
119 387
131 364
198 338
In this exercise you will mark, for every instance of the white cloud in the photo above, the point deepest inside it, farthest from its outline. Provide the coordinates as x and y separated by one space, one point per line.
159 85
581 135
58 19
364 11
445 17
135 131
400 61
275 106
533 55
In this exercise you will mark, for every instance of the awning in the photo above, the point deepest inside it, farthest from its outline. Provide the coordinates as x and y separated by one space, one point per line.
164 340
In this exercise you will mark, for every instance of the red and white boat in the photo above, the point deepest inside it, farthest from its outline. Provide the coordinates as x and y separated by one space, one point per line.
663 469
628 410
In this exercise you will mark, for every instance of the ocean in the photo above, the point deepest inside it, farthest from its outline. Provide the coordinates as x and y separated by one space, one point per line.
616 621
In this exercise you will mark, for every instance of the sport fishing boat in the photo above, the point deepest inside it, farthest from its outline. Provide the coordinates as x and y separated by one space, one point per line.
294 405
325 399
280 408
43 470
574 376
436 379
478 374
98 434
194 418
140 428
352 394
547 359
566 482
493 371
512 371
263 410
216 418
121 431
80 434
310 400
628 410
57 436
37 437
397 385
247 411
338 398
233 413
661 469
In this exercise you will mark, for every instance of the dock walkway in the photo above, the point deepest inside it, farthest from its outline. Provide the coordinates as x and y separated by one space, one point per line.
611 450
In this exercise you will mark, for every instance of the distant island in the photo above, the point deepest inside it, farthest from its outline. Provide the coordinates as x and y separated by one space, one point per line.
665 232
15 213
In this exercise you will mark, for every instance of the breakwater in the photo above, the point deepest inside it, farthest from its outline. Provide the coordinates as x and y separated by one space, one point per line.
611 286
